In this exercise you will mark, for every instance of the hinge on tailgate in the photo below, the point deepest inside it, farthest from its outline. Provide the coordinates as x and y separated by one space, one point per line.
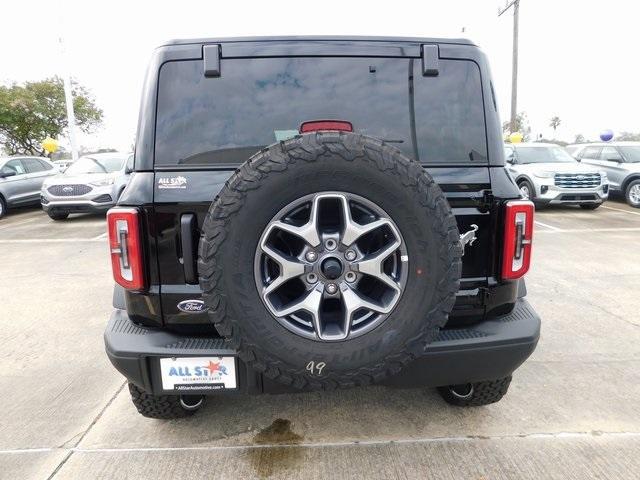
483 201
211 56
430 60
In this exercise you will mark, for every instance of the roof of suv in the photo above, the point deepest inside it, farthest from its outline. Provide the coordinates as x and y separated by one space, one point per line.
533 144
602 144
324 38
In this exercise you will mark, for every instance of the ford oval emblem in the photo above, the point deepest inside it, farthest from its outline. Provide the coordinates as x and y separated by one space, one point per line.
192 306
580 177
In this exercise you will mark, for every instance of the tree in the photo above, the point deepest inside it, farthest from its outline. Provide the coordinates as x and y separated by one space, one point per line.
552 140
522 126
555 123
31 112
579 139
628 137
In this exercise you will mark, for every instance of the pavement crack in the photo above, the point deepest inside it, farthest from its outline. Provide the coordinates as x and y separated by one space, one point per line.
73 449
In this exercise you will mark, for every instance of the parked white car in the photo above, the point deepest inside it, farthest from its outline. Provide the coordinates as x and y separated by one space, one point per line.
92 184
621 161
548 175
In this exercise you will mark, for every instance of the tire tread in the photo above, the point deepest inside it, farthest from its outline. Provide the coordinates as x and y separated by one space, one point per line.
278 158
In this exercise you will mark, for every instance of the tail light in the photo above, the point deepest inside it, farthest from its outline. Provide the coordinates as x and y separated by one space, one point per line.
518 234
123 226
335 125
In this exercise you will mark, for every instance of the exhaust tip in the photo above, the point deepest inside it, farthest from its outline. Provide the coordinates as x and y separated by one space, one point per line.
463 391
191 402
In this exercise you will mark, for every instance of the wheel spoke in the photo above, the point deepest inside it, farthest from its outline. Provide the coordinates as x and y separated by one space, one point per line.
354 302
373 265
289 268
352 230
308 232
310 303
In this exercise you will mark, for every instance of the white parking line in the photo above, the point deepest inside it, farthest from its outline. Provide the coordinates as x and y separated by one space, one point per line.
361 443
620 210
100 237
590 230
53 240
546 226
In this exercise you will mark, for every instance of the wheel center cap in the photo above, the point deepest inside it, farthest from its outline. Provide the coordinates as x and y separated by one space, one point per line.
331 268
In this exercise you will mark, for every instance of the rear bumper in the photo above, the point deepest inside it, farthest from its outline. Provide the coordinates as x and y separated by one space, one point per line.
486 351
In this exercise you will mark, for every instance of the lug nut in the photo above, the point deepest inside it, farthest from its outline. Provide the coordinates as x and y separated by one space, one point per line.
312 278
350 255
331 288
311 256
350 277
330 244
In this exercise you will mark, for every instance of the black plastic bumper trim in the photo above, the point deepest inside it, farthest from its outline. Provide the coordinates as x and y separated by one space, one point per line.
486 351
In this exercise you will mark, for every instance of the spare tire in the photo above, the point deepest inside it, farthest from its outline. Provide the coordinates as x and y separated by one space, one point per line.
329 260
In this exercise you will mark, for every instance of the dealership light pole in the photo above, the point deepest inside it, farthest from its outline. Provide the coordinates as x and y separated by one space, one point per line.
514 66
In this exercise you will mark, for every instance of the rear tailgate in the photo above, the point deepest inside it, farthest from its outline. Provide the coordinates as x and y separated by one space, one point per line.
207 126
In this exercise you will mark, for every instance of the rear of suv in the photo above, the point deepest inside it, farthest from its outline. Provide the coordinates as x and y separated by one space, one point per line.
317 213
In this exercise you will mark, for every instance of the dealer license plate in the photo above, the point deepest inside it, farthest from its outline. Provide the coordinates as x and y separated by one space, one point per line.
198 373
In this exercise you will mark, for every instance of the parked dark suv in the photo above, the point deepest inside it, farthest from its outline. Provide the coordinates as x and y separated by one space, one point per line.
318 213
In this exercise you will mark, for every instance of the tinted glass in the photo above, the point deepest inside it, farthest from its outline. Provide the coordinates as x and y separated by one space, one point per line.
15 166
631 153
204 121
591 152
45 165
572 149
508 153
543 155
96 165
610 153
449 113
32 165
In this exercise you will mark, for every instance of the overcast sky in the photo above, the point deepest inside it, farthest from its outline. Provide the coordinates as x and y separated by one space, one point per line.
578 59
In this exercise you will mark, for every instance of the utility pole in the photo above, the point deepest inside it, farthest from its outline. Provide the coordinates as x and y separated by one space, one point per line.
68 93
514 66
71 117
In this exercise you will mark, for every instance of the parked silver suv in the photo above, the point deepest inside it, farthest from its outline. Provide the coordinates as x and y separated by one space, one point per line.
547 174
621 161
21 179
92 184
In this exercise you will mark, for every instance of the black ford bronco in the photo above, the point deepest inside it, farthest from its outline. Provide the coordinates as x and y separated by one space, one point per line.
316 213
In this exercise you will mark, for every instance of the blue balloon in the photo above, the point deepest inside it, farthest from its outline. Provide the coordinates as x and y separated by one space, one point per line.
606 135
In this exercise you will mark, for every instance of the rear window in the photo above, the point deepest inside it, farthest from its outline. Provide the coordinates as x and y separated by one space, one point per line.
256 102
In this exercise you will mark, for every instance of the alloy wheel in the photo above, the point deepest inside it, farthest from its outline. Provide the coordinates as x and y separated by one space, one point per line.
634 194
331 266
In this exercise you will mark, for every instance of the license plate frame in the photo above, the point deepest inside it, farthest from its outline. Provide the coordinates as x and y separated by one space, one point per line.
186 374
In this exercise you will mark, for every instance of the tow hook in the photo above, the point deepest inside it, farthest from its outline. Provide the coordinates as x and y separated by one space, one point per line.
469 237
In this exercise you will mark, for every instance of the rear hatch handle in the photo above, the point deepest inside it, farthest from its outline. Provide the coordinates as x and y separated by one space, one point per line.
187 239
